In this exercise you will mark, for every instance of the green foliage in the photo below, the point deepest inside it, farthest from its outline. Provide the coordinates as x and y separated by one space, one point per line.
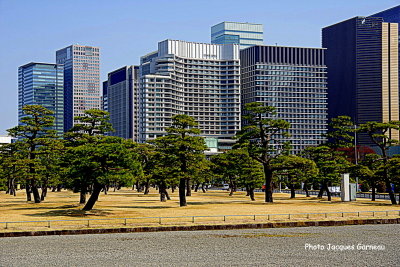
370 170
394 169
296 168
94 122
100 163
34 132
238 168
263 138
341 132
331 164
180 151
380 134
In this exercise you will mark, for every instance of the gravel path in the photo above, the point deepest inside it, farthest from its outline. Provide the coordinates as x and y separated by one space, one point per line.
263 247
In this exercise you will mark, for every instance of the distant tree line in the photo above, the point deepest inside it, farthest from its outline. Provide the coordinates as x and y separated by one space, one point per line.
87 161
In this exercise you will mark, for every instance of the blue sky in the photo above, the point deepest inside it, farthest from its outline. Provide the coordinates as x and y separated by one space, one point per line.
32 30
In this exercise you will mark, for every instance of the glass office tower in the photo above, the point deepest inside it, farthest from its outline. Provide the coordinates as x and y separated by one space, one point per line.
293 80
197 79
244 34
363 71
42 84
389 15
120 94
81 80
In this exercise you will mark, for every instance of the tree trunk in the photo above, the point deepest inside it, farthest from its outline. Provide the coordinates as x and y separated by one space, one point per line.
28 192
138 187
268 183
44 191
231 191
196 187
11 186
373 192
182 193
93 197
188 188
105 188
162 195
167 195
328 193
251 194
83 192
59 188
292 191
14 191
53 189
35 191
231 187
82 197
202 188
173 189
162 189
147 187
247 191
306 189
391 194
321 191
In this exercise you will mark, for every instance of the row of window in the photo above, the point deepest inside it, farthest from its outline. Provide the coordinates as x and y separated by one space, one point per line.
295 68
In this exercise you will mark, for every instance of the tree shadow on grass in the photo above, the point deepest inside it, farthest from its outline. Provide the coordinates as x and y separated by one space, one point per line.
71 213
190 203
373 203
47 208
143 207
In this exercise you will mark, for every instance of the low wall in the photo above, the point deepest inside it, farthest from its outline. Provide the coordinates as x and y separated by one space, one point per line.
203 227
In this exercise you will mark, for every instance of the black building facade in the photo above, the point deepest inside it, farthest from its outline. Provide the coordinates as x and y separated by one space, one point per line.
362 61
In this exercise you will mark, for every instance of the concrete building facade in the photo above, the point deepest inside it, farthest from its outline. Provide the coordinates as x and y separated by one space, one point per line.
197 79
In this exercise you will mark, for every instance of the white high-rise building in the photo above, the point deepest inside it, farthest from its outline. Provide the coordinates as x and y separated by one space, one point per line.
198 79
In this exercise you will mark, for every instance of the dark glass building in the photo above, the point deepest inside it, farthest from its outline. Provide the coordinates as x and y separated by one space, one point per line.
292 79
389 15
120 95
42 84
362 61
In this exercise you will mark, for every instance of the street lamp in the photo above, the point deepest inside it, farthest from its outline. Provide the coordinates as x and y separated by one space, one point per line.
355 151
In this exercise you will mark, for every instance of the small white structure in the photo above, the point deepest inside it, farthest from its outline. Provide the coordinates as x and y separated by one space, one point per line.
6 139
345 187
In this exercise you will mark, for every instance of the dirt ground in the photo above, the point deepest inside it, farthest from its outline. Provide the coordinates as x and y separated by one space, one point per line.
126 203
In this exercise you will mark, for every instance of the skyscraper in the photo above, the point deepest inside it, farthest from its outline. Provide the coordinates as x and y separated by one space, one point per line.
197 79
121 97
42 84
81 80
244 34
293 80
363 70
389 15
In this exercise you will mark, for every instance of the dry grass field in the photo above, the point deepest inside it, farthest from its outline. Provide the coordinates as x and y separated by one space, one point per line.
126 203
